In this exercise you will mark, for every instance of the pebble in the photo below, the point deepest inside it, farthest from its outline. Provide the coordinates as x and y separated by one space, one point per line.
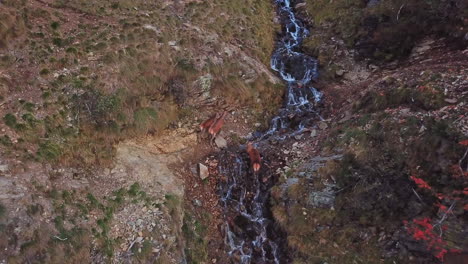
313 133
197 202
4 168
202 171
322 125
220 142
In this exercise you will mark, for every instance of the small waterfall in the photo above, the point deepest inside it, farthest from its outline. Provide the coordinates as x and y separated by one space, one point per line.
250 233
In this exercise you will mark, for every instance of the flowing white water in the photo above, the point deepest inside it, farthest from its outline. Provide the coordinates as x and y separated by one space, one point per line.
250 233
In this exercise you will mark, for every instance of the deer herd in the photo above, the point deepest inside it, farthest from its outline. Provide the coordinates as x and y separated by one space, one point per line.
213 126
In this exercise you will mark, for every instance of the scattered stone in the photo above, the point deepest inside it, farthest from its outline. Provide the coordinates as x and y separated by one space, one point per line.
322 199
197 202
346 117
339 73
203 171
139 239
405 111
300 5
298 137
388 80
172 43
4 168
373 67
451 100
313 133
322 125
422 129
220 142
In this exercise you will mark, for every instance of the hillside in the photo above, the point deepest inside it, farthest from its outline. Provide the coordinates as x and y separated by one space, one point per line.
101 157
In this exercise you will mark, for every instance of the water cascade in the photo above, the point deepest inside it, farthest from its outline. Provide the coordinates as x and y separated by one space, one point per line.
250 233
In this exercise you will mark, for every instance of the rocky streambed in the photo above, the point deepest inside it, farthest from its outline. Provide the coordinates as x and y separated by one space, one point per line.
250 233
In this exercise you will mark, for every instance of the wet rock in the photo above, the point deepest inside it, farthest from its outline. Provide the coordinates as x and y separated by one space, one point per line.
220 142
203 171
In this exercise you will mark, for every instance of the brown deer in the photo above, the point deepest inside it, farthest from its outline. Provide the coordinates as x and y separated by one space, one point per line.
255 159
216 127
208 123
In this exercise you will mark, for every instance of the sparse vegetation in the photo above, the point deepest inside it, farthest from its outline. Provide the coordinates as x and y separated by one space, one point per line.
383 31
195 233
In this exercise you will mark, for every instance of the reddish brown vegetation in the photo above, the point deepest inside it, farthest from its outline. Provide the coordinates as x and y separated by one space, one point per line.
424 229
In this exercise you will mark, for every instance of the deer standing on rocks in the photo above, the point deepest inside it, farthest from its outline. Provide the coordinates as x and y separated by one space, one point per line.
208 123
213 125
255 159
216 127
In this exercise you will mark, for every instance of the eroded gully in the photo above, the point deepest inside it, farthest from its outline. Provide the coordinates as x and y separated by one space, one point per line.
249 231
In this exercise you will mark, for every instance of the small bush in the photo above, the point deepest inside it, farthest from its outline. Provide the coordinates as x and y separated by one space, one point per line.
2 211
44 71
5 140
55 25
57 42
145 118
49 151
71 50
134 189
10 120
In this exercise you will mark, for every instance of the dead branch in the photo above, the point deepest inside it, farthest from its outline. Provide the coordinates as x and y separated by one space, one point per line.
399 11
417 195
460 162
61 239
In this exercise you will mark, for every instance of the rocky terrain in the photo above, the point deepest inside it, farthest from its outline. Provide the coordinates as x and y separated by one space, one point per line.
101 160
